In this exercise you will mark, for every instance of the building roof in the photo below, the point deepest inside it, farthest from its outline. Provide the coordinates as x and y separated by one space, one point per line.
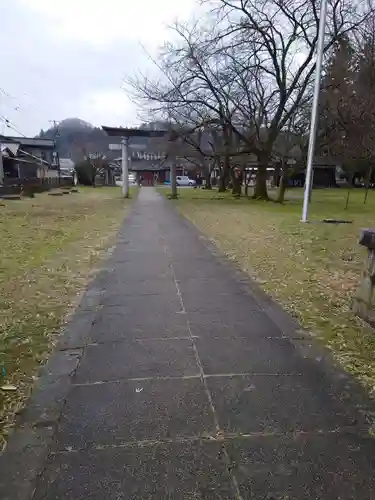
9 148
32 142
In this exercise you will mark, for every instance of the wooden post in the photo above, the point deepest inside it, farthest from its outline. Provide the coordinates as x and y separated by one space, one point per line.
364 305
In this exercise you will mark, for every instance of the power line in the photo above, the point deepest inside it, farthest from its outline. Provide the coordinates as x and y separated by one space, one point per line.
20 106
7 94
9 124
20 103
5 120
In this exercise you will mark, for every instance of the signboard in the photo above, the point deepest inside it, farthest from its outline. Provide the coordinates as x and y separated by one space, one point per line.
96 156
117 147
139 155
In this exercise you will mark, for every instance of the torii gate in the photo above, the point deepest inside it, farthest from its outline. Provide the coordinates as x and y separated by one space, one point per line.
126 134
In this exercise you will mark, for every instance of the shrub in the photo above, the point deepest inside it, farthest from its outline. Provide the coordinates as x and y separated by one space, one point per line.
85 173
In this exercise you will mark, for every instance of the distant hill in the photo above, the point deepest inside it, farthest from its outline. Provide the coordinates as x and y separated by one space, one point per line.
76 138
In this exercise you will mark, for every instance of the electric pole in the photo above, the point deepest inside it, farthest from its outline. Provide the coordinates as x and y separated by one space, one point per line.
314 111
56 128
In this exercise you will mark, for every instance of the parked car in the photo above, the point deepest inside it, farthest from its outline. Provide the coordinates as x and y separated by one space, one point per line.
184 180
131 177
69 174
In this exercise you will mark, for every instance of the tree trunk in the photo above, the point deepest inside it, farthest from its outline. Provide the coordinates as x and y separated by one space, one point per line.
276 178
260 189
246 181
173 181
282 188
208 181
207 176
283 175
350 187
368 179
236 183
224 175
222 183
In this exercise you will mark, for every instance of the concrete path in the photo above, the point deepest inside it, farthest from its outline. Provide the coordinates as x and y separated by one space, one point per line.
187 389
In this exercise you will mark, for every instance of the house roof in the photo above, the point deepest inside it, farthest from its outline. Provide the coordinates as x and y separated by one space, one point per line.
9 148
32 142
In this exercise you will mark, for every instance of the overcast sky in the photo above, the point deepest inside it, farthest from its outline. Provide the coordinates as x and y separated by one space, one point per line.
67 58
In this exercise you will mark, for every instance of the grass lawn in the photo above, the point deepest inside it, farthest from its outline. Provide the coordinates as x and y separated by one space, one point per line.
312 269
49 246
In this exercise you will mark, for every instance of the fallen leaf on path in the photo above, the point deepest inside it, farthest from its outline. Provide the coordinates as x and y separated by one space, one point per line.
8 388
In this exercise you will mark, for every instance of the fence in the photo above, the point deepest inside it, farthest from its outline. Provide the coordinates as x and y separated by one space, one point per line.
14 186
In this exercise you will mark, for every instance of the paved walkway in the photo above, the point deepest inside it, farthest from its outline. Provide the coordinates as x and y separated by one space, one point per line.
186 389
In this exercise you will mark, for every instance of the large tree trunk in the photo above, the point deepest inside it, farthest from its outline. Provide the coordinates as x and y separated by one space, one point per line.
260 189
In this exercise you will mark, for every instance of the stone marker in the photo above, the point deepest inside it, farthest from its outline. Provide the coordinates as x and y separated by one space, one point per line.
364 300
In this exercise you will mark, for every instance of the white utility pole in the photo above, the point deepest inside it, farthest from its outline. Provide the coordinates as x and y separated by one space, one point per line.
125 166
314 110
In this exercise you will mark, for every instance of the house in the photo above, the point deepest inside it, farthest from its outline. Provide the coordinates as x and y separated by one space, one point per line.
28 158
8 152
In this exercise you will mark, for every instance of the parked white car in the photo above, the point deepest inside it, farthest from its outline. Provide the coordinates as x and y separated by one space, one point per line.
184 180
131 177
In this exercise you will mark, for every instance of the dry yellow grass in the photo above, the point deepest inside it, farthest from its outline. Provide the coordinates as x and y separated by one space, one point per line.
311 269
49 246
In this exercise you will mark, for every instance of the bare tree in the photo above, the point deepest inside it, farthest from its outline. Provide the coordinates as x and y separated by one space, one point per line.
197 94
290 149
285 34
245 75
